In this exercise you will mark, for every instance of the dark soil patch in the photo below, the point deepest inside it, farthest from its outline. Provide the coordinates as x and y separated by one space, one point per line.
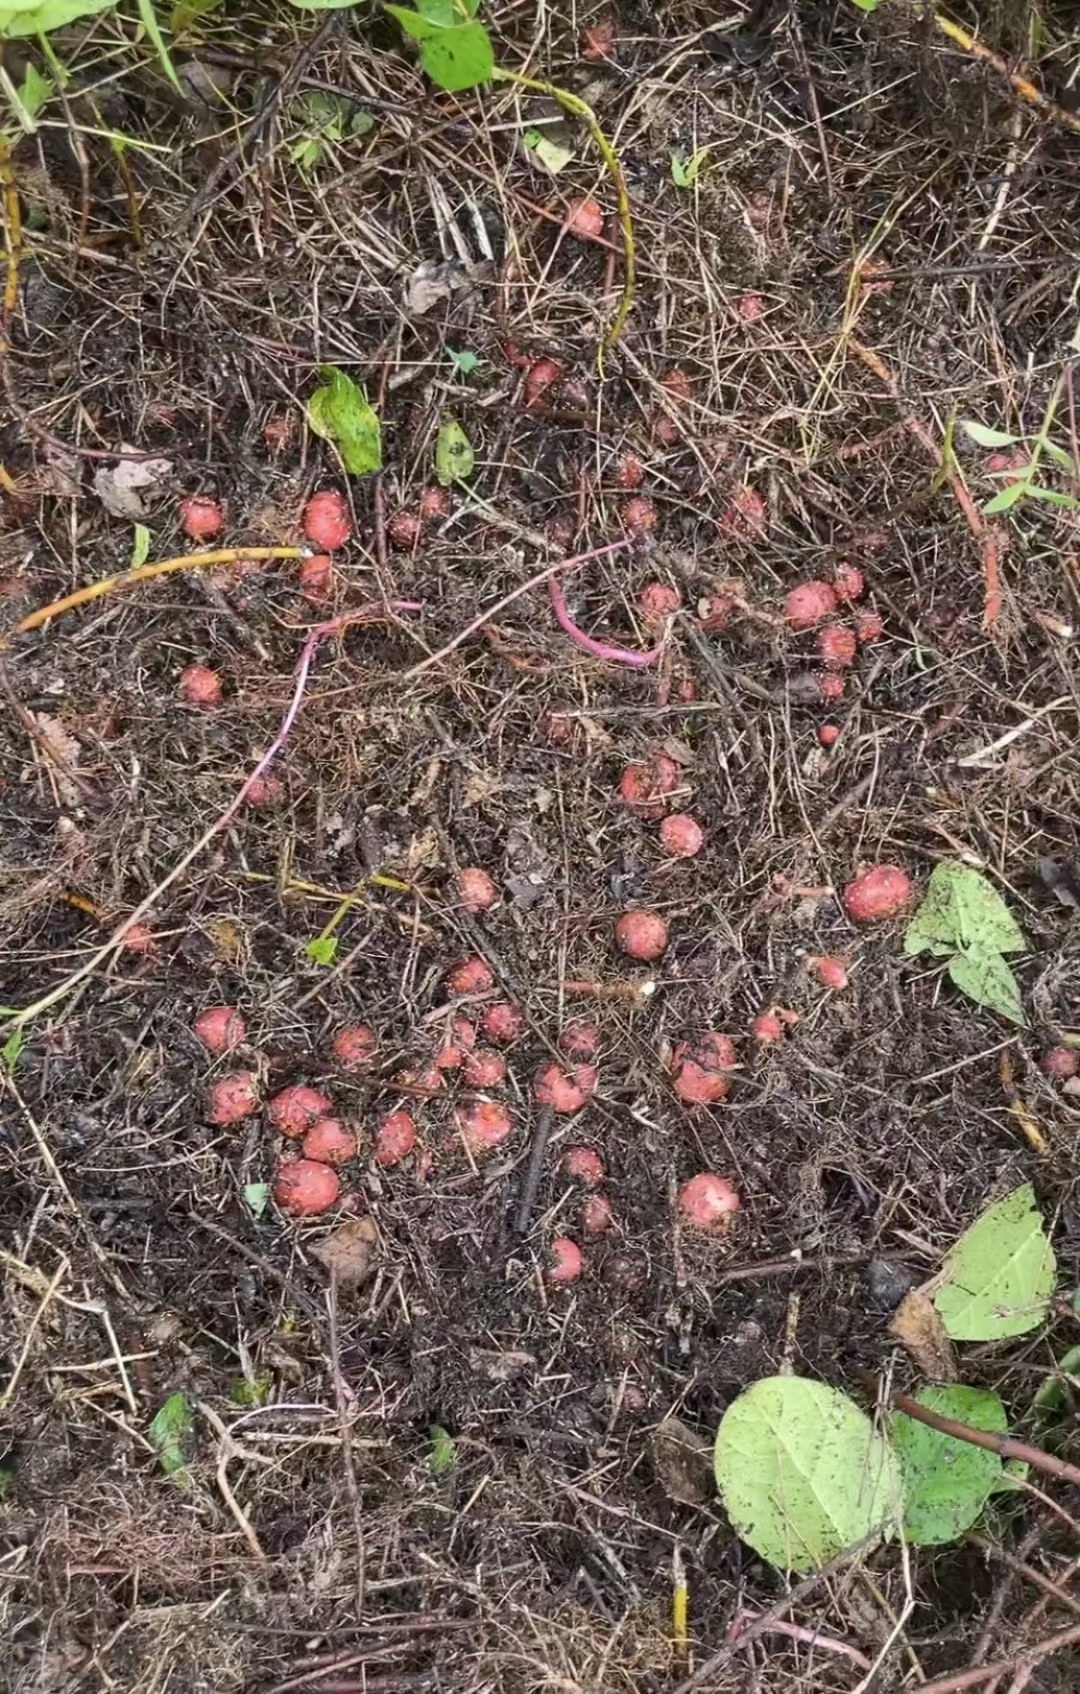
177 298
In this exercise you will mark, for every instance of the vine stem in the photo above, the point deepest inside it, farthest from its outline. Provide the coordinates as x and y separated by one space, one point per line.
148 573
579 108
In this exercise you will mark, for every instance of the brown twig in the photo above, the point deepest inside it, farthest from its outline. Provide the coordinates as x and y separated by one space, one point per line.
531 1181
978 1674
1020 85
1004 1445
982 531
351 1484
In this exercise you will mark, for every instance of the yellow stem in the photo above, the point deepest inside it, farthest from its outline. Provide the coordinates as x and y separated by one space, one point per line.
579 108
147 573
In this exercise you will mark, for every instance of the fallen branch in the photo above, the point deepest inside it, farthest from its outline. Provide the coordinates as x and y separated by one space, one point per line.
982 531
1020 1660
1004 1445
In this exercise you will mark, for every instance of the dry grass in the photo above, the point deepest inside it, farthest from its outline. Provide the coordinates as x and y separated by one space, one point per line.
544 1560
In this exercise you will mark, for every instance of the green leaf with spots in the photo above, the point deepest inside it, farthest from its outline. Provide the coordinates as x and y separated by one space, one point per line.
947 1482
1000 1274
454 456
986 978
455 56
963 908
803 1473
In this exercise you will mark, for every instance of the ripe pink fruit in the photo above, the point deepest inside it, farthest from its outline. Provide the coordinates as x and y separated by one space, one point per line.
642 934
566 1260
666 430
353 1046
1060 1062
767 1028
830 970
305 1188
598 40
877 893
579 1039
395 1139
702 1069
234 1097
327 523
470 976
139 939
643 786
828 734
484 1068
200 686
746 516
585 219
484 1125
629 472
564 1090
316 578
265 791
837 646
708 1202
434 503
639 515
750 307
201 518
849 582
681 836
584 1166
502 1022
405 530
869 626
296 1108
541 375
657 602
808 603
328 1142
831 687
475 889
220 1028
596 1216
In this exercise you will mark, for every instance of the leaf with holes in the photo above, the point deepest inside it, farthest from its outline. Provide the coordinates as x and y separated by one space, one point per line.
455 56
1000 1274
454 456
167 1431
947 1482
803 1473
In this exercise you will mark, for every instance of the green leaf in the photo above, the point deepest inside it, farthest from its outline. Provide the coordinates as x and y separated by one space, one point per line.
1059 456
962 908
49 15
947 1482
153 30
1000 1274
252 1390
1051 496
1006 498
866 5
984 437
443 1451
35 90
463 362
803 1473
685 171
167 1431
12 1048
188 12
140 547
339 412
1053 1395
256 1196
550 153
454 457
985 978
456 57
322 950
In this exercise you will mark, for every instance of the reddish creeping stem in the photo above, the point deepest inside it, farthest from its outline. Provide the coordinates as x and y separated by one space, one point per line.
599 649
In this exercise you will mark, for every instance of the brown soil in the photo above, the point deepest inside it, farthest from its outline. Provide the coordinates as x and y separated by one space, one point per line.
864 180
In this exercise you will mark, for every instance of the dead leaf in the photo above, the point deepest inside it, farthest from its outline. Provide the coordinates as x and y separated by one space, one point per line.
682 1460
120 487
423 852
229 939
501 1367
63 752
434 281
480 785
348 1255
421 794
64 475
921 1333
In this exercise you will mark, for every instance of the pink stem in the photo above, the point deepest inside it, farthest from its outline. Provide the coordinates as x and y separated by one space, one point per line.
314 640
599 649
799 1632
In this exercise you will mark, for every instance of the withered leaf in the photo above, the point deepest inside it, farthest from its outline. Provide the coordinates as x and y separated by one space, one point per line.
349 1254
682 1460
920 1331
